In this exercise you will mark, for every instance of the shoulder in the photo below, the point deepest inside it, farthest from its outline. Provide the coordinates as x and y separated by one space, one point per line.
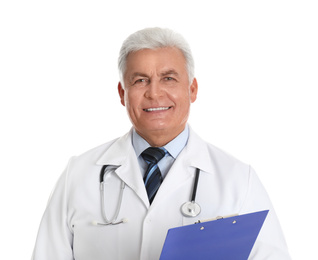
97 155
215 155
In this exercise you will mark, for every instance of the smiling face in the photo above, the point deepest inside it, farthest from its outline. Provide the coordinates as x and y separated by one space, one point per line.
157 93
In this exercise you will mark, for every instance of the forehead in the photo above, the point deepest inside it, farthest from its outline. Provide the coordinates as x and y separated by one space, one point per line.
155 60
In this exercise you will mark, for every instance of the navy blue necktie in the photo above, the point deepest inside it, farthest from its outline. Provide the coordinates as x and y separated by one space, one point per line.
153 178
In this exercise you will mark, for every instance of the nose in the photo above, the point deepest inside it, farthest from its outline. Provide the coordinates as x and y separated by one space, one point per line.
154 90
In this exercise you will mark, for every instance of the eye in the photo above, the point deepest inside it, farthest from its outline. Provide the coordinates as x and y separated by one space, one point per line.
168 78
139 81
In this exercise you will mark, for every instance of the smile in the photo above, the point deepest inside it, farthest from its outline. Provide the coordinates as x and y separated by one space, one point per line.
156 109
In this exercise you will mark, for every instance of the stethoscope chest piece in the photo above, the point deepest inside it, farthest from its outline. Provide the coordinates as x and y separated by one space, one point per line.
190 209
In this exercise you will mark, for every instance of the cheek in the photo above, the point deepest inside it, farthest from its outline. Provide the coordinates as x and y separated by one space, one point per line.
183 106
181 98
132 100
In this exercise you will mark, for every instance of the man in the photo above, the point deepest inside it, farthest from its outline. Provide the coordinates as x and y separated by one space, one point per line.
143 189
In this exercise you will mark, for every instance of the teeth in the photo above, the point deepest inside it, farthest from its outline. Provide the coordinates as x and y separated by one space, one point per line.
156 109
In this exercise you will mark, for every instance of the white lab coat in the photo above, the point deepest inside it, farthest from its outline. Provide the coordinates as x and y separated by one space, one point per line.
226 186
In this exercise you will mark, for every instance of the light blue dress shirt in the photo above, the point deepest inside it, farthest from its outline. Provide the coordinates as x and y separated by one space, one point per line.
174 147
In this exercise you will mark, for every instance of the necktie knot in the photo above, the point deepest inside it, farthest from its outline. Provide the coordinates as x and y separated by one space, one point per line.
153 154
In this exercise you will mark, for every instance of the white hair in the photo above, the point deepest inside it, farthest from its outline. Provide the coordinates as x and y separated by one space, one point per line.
154 38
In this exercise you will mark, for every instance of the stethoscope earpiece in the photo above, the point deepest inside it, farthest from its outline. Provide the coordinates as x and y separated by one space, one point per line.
124 220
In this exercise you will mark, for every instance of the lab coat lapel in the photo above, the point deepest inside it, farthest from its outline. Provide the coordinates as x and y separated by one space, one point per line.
194 155
122 154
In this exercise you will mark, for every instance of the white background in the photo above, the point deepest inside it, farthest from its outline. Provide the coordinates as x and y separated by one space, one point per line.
256 65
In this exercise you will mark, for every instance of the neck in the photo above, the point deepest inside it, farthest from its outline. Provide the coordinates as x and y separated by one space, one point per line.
158 139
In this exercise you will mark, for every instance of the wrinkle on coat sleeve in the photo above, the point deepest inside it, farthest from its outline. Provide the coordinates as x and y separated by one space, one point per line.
55 238
270 244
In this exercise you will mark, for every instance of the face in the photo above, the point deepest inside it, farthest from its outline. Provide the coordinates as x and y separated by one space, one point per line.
157 93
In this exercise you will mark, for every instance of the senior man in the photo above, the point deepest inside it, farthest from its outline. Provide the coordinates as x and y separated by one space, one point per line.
117 201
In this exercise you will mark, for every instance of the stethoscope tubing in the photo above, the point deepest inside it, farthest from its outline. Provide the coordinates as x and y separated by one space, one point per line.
195 185
102 196
188 209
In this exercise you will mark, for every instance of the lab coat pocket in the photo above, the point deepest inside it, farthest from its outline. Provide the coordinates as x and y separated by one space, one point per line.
95 242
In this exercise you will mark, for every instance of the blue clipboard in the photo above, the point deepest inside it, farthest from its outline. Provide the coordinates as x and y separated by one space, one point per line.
223 239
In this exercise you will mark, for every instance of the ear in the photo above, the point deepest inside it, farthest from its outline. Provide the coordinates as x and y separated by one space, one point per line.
121 92
193 90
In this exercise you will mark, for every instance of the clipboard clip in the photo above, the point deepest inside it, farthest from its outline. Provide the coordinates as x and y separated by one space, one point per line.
216 218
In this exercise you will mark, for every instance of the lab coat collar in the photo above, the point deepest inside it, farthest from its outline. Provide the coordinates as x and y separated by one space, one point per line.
122 154
197 153
196 150
118 151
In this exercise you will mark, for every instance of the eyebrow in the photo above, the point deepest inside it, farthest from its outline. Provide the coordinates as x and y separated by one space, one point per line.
169 72
137 74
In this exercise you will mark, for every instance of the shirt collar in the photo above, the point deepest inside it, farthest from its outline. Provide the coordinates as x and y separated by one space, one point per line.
174 147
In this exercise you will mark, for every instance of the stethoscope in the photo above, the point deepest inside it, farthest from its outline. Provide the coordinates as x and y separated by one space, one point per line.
102 200
191 208
188 209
